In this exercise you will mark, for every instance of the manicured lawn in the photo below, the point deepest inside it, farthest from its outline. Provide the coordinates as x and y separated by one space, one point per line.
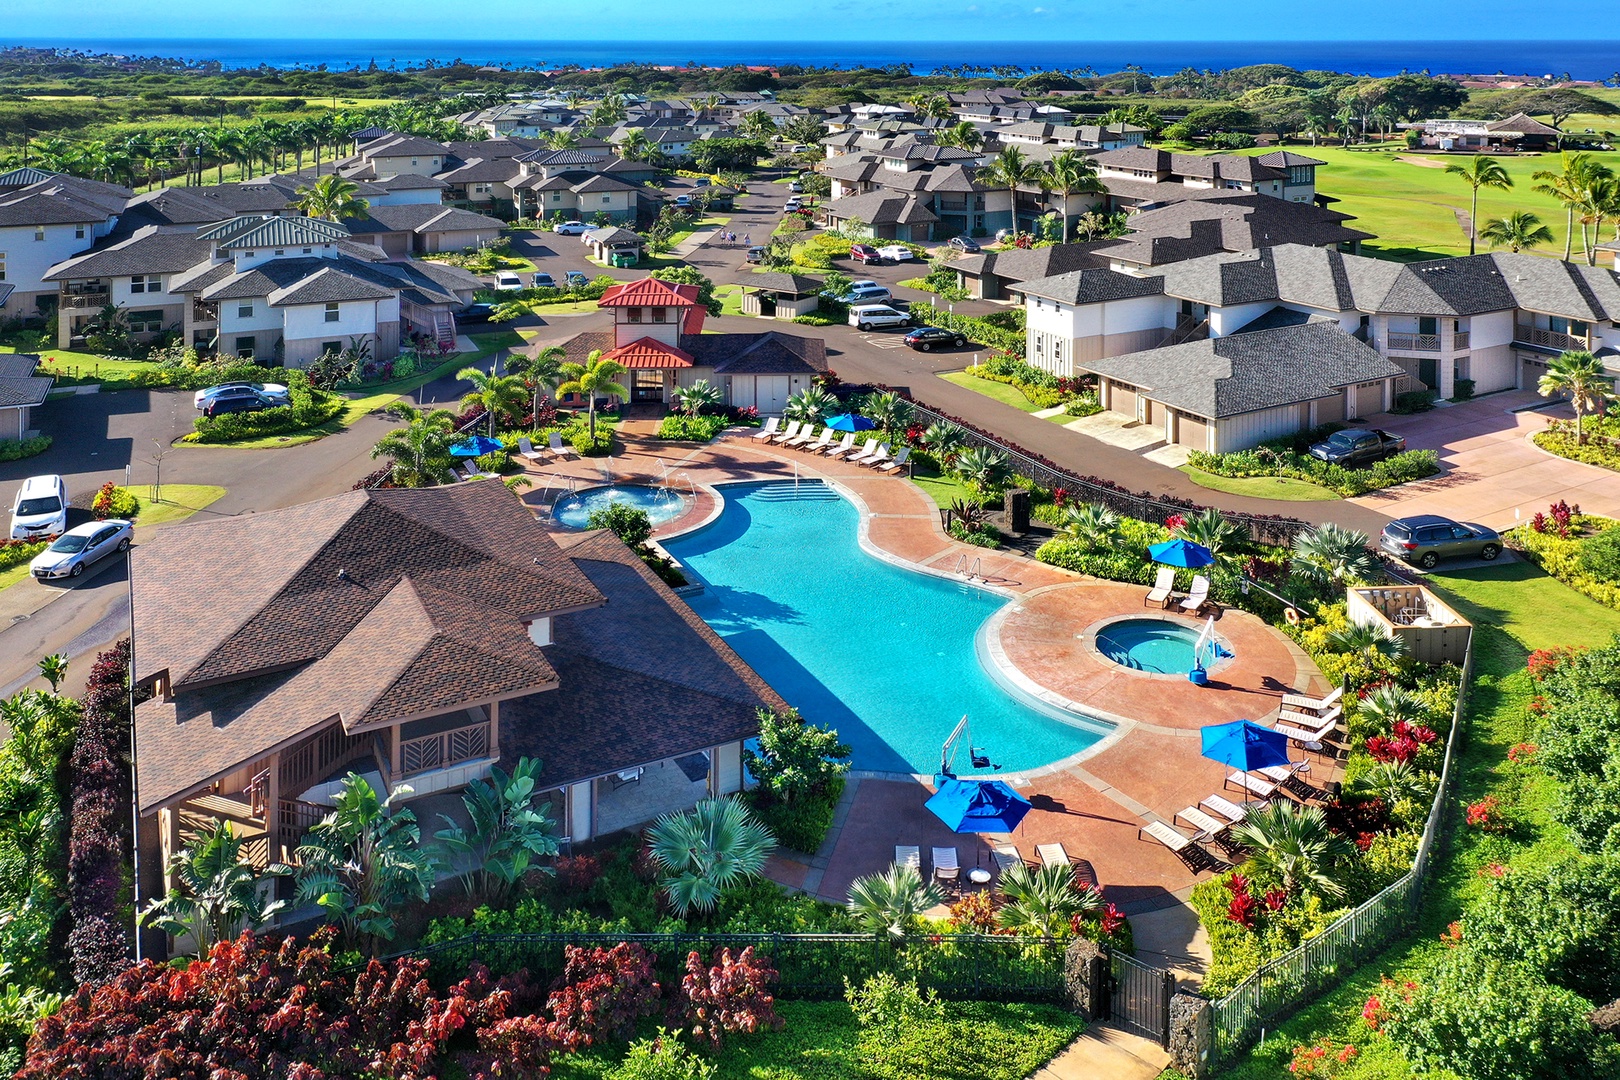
1409 207
1281 488
1002 392
944 489
178 501
730 297
80 368
10 577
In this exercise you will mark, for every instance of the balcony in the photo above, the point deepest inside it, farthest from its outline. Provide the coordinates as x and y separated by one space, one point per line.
443 749
202 312
85 298
1412 342
1550 339
1459 341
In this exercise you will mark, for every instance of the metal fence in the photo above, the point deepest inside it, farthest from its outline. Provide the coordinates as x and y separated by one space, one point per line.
1317 965
995 967
1144 507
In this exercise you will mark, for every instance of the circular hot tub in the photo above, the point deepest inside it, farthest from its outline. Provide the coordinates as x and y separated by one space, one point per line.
662 504
1156 646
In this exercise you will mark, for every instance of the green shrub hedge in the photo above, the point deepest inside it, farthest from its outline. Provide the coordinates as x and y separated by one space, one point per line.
17 449
1601 448
309 408
1278 457
691 428
991 331
18 552
1580 560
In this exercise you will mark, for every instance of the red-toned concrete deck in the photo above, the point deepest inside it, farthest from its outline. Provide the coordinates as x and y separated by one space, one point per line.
1149 769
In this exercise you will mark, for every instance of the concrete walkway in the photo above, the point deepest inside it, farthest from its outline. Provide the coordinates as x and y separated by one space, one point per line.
1107 1053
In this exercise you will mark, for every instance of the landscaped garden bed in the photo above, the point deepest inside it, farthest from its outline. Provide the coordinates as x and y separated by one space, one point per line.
1287 457
1581 550
1599 444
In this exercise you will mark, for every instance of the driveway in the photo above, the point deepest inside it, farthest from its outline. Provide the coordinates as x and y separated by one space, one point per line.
1491 472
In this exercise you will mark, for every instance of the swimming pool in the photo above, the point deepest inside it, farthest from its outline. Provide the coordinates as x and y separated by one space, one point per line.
661 504
883 654
1152 645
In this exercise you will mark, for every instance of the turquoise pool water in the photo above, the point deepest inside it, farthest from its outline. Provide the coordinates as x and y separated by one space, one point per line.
1151 645
883 654
575 510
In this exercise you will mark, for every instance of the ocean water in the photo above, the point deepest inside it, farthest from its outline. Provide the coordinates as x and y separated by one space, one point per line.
883 654
1582 59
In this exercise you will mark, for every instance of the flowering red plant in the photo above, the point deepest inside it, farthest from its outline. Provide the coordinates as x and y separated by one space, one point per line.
1492 870
1243 909
1112 919
1521 752
1374 1012
1544 662
1174 522
1487 815
1452 935
1276 898
1060 497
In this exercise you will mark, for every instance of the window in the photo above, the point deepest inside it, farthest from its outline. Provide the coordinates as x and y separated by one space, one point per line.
309 251
481 189
2 266
148 284
145 322
78 232
332 347
635 314
244 310
244 347
605 198
281 251
658 314
39 232
413 161
556 196
1428 325
332 312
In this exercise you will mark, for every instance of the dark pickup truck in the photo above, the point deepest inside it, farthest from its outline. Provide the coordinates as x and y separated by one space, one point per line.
1357 449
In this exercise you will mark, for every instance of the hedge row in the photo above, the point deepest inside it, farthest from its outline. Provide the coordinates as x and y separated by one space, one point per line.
309 408
99 840
978 329
17 449
1270 460
16 552
1569 559
691 428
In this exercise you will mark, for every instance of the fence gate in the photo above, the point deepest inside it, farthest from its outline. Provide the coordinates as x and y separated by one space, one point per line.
1139 997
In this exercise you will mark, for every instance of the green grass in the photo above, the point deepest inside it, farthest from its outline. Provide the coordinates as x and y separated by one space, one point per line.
178 501
10 577
1281 488
81 368
1002 392
1515 608
944 488
730 297
1410 207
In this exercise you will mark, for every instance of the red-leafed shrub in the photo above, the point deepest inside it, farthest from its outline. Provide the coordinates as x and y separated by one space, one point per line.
976 912
732 995
1488 816
602 993
1543 662
1243 909
576 873
98 838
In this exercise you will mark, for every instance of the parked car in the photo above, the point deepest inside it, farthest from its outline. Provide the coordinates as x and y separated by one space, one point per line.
756 254
796 187
572 228
965 244
683 200
506 281
275 391
897 253
543 281
1426 539
864 253
864 283
245 392
876 316
925 338
575 279
475 313
702 181
80 546
1357 449
40 508
235 403
793 206
867 294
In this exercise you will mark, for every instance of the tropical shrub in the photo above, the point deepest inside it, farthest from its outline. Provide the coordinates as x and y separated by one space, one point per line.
1279 458
507 831
215 892
1563 918
1578 549
17 449
799 768
99 838
663 1057
309 408
691 428
729 996
893 901
1044 901
703 851
603 993
113 501
886 1006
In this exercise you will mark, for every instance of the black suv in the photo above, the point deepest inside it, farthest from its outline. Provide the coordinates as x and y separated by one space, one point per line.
1428 538
237 402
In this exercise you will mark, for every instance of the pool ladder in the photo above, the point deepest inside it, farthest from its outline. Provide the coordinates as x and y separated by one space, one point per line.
971 572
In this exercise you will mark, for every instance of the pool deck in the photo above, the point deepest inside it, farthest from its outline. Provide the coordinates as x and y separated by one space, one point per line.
1094 805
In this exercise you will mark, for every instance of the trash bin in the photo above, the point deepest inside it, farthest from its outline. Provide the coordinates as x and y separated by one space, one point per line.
1017 508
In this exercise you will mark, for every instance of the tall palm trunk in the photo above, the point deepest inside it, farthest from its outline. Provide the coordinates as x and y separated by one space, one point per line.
1473 220
1569 229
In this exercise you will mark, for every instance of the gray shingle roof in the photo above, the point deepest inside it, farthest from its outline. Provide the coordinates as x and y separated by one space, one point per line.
19 386
1469 285
150 251
1091 286
326 286
1242 373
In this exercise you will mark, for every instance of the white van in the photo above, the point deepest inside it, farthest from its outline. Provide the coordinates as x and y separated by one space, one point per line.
870 316
40 508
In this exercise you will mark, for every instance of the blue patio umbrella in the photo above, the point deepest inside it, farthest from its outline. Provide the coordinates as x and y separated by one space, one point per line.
477 446
978 806
1179 552
850 422
1245 745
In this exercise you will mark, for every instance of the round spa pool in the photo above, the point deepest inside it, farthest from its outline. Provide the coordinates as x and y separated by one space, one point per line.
575 510
1156 646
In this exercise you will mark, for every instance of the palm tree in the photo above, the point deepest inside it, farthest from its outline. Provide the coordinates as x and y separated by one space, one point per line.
1518 231
963 135
543 371
809 405
931 106
706 850
702 394
497 395
221 143
1346 118
1010 169
1570 185
1043 901
1093 524
1392 781
1582 377
1333 554
1388 705
1293 844
1208 529
1071 173
331 197
944 440
421 449
508 831
892 901
634 146
363 861
1369 639
1600 202
610 111
1479 171
888 410
215 891
595 376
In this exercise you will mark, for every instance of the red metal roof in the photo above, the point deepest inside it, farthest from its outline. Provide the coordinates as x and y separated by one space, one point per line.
648 352
649 292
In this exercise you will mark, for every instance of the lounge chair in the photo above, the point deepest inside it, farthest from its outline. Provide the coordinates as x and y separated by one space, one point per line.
1306 703
806 433
871 445
880 454
895 463
1212 829
1310 720
1164 588
1198 596
628 776
769 429
792 430
908 856
555 444
527 451
470 471
1191 855
1220 804
1310 737
946 868
820 444
841 447
1251 785
1286 777
1006 857
1053 855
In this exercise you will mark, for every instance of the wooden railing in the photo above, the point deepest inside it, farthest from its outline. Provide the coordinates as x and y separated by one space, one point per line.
204 312
444 749
1549 339
1413 342
330 749
1459 340
85 299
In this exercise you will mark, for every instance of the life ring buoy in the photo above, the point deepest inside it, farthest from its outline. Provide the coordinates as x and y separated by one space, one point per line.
1292 615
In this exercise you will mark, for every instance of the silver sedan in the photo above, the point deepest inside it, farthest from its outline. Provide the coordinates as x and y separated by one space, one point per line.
81 546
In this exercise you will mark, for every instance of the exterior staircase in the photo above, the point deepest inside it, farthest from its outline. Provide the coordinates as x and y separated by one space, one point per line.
1186 330
444 331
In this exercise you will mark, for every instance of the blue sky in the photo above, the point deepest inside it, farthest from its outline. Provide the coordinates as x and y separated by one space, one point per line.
641 20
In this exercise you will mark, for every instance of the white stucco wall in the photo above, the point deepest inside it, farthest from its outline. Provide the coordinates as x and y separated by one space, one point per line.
355 317
27 260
